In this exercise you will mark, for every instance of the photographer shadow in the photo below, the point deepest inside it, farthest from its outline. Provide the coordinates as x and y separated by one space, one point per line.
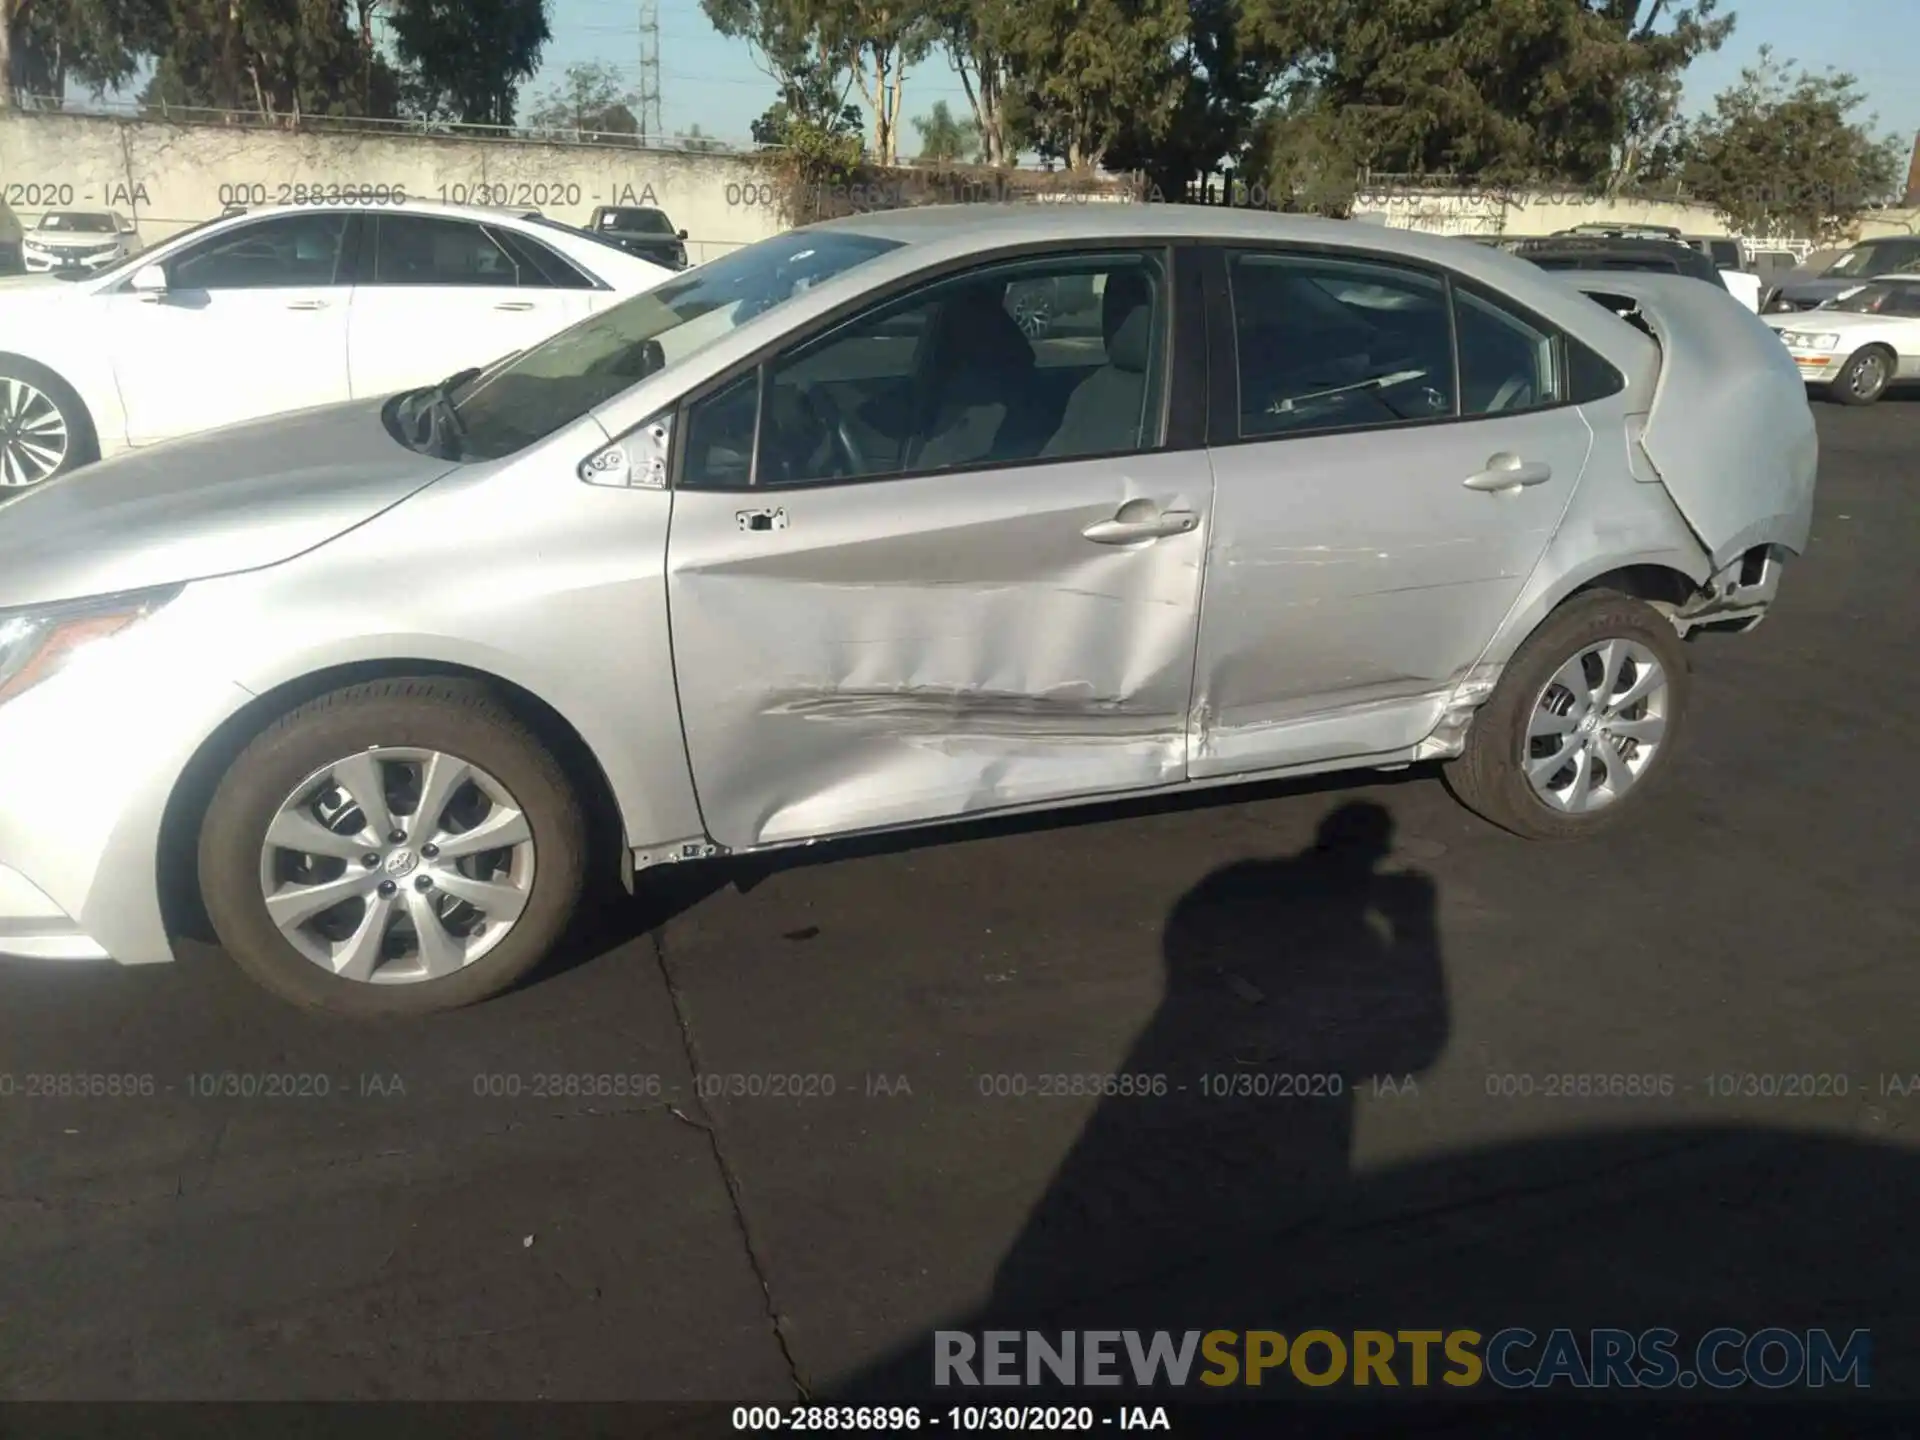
1295 986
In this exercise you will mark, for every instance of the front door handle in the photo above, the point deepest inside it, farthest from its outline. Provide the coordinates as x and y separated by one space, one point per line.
514 305
1509 472
306 304
1138 520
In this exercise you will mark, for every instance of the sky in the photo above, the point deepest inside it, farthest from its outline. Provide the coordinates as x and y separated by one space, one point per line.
712 82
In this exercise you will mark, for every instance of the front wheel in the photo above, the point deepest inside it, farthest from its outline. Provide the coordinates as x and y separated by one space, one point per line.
394 848
1864 378
1582 723
44 428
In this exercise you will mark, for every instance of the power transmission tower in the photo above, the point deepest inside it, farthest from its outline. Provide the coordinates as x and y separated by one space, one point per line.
651 126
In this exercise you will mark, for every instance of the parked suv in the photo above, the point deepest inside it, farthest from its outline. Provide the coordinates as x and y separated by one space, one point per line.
1593 252
641 230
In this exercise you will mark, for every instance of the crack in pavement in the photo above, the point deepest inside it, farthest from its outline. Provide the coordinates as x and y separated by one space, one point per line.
728 1177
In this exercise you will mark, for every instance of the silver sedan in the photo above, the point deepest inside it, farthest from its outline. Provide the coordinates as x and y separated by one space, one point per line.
828 537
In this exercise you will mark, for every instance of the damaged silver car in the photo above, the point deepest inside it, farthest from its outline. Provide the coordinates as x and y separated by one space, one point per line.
828 537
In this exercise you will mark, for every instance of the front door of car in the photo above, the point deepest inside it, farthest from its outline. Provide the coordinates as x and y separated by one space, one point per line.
440 295
1378 505
927 565
253 322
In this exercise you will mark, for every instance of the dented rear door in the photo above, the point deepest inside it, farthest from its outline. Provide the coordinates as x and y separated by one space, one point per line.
870 654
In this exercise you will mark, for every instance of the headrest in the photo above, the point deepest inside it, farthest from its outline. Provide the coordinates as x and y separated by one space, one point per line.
981 335
1128 320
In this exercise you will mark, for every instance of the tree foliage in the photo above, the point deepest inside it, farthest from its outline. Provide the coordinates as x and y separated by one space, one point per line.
590 97
976 37
1081 67
1781 153
46 44
1492 89
466 59
946 139
283 59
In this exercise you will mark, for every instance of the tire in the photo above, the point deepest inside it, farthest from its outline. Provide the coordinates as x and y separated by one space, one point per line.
20 381
1864 378
1489 777
456 719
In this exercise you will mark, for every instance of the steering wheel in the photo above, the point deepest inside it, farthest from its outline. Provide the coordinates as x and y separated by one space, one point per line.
827 415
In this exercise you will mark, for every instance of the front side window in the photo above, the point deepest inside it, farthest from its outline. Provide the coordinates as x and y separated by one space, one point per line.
556 382
426 250
1033 361
285 251
1506 364
1332 344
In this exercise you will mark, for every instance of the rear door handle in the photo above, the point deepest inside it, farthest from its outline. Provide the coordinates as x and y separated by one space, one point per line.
514 305
1509 472
306 304
1131 529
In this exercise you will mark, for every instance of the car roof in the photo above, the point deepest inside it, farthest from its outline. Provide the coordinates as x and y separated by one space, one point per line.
987 225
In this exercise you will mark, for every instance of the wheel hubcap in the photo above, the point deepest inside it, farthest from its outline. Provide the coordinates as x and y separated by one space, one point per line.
33 435
1596 726
397 865
1866 376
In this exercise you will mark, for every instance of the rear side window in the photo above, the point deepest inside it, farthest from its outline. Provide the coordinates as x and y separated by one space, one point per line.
1590 376
538 264
426 250
1333 344
1506 363
1725 253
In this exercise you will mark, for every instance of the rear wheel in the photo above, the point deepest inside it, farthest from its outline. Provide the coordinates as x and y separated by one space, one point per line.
394 848
1864 378
44 428
1581 724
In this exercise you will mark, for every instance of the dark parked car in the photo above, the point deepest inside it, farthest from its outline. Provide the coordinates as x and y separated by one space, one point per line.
1584 252
1808 288
641 230
11 234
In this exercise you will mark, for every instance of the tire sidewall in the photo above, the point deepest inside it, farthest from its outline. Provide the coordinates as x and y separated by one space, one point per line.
1582 623
331 729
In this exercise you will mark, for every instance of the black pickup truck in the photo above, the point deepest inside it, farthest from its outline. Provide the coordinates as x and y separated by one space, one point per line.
641 230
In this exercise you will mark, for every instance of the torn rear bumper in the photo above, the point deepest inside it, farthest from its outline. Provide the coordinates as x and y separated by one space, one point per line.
1737 596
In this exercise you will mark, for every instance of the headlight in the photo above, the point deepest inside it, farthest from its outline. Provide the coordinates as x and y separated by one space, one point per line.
36 644
34 245
1805 341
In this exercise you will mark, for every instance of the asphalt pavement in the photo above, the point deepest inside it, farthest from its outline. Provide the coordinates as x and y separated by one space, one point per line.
758 1133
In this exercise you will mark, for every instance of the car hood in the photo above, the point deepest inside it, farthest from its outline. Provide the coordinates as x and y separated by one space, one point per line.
1817 320
73 239
236 499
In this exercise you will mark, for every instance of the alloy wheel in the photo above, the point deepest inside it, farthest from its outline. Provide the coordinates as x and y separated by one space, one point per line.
397 865
34 439
1596 726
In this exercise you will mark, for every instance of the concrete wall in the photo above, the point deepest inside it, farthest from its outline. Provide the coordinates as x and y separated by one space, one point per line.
166 177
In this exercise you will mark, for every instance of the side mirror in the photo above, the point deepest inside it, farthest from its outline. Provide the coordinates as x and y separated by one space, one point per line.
636 461
683 235
149 282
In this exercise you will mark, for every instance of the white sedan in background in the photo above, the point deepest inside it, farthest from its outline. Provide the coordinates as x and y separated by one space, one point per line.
1855 347
281 309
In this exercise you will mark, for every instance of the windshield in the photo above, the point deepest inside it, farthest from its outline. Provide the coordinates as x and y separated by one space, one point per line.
561 379
641 222
1875 259
77 224
1888 297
